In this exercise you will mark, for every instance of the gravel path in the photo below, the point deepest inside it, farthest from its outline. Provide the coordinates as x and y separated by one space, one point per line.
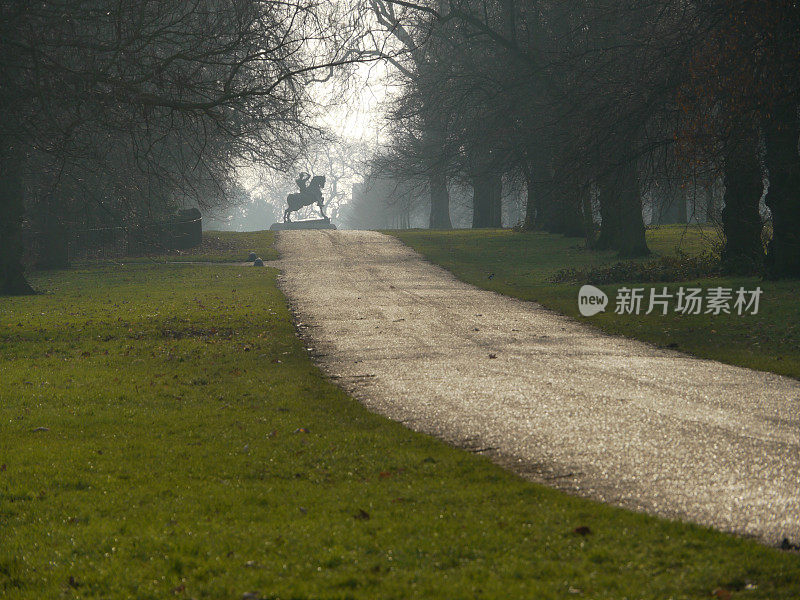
558 402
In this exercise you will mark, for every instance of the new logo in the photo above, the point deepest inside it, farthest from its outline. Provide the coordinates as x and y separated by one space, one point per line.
591 301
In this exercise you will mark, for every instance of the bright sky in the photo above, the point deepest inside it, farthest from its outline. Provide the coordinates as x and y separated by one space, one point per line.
354 112
359 118
356 117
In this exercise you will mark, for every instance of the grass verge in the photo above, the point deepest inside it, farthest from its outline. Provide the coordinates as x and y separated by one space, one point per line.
164 434
217 247
520 265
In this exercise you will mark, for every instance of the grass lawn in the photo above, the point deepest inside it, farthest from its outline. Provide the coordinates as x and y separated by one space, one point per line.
521 264
217 247
163 434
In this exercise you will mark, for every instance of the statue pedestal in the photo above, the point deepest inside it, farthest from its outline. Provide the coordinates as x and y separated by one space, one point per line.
307 224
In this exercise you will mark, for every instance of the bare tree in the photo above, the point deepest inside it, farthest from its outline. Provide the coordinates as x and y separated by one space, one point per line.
416 35
166 98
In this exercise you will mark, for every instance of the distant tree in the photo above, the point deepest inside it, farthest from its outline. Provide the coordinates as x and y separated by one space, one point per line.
580 94
740 107
380 202
422 141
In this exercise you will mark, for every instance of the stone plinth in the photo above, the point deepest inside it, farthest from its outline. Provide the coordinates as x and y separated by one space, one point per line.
307 224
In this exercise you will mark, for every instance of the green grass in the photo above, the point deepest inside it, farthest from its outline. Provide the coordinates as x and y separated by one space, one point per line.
217 247
193 451
522 263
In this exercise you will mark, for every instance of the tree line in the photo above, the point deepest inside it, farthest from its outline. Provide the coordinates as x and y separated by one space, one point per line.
591 102
116 113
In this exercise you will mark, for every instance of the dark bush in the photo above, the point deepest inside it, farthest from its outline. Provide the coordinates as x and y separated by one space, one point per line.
664 269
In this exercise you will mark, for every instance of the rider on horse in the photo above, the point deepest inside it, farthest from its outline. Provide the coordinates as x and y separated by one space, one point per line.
310 193
302 181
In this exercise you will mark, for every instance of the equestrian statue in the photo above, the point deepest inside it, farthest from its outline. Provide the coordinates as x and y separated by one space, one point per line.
310 193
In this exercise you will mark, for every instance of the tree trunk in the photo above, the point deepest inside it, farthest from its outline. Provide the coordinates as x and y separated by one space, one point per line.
539 176
550 214
53 242
530 201
12 210
496 201
631 240
570 206
683 205
440 200
622 224
588 215
669 204
609 215
510 20
781 135
487 191
741 222
712 210
434 137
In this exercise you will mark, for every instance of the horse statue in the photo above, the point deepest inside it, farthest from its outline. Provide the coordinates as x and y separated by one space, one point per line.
310 193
